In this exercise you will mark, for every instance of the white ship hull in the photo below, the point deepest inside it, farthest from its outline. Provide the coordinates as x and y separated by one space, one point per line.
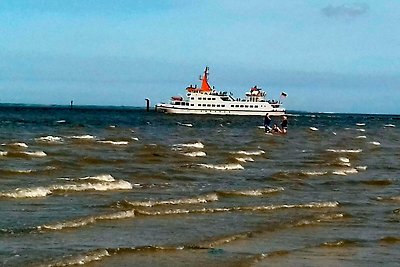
173 109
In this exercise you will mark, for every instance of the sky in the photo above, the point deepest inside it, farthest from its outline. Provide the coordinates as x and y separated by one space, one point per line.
327 55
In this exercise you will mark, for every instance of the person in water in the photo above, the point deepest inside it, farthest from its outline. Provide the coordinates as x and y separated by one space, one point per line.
275 129
267 122
284 124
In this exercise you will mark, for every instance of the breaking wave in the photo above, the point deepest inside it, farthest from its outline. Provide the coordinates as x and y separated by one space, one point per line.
375 143
244 159
222 166
193 200
344 150
196 154
17 144
83 137
189 145
314 173
50 139
89 220
250 153
312 205
117 143
80 222
346 171
339 243
22 154
107 183
255 192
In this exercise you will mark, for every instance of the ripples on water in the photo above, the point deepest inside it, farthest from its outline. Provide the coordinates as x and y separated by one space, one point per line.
103 186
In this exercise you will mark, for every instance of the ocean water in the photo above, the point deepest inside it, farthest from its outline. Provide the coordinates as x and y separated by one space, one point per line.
123 187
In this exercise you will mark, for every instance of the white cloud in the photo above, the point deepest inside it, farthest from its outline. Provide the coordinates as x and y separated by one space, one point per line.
345 10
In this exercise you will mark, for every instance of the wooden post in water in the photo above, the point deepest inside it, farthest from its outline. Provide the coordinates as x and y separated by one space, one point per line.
72 104
147 104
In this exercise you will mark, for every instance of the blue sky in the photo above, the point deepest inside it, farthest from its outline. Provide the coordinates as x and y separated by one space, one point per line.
328 55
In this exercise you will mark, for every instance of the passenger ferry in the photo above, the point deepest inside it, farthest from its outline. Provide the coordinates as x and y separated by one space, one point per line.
206 100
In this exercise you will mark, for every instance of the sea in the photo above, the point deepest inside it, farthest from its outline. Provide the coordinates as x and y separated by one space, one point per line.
119 186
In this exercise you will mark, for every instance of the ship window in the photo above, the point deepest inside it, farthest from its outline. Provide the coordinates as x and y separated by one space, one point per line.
209 98
208 105
192 98
251 106
199 105
256 106
246 106
237 106
232 106
187 104
204 105
213 105
192 105
213 98
241 106
218 106
223 106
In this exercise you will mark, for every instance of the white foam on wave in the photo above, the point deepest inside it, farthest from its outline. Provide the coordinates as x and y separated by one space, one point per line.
344 150
361 130
360 124
222 166
344 159
361 168
314 173
361 137
250 153
3 153
82 259
313 128
84 137
102 177
116 143
20 170
245 159
50 139
390 125
28 193
339 173
255 192
185 124
135 139
107 183
190 145
104 186
375 143
19 144
38 154
196 154
89 220
312 205
61 121
344 172
193 200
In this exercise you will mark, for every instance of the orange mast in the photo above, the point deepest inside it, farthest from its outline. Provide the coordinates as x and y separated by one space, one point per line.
204 84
